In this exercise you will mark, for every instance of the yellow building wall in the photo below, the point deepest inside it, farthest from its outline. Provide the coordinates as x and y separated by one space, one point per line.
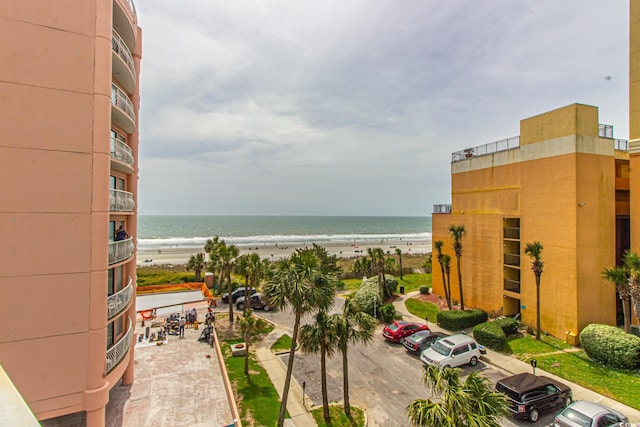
634 122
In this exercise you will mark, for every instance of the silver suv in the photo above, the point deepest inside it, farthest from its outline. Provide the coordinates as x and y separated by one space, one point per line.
456 350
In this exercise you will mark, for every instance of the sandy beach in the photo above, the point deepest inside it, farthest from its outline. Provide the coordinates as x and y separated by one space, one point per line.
177 256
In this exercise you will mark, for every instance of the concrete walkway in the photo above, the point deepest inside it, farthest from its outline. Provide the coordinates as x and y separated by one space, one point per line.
277 372
515 366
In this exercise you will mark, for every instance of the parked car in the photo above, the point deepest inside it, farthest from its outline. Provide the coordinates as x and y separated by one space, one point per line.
453 351
256 300
400 329
529 395
589 414
236 294
421 340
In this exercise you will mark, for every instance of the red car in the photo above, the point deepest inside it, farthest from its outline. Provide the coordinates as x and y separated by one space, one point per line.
400 329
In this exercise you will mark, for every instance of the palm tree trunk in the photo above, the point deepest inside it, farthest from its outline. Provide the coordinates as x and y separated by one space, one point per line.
626 313
198 275
345 382
538 306
447 293
448 285
460 282
325 393
230 300
246 353
287 380
401 268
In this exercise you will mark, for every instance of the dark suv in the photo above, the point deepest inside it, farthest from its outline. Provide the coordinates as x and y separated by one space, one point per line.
529 395
236 294
256 300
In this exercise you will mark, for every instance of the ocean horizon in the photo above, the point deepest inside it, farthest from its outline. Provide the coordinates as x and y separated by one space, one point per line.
192 231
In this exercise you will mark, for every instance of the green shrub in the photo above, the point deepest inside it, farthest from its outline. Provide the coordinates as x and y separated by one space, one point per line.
392 283
368 297
457 320
611 346
340 285
388 313
509 326
490 335
424 290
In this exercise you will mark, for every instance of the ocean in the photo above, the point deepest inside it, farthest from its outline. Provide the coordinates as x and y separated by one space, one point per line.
191 232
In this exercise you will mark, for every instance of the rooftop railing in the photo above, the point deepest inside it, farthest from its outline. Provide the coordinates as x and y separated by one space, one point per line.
621 144
442 208
120 47
122 101
117 302
605 131
483 150
118 351
121 201
133 9
121 151
120 250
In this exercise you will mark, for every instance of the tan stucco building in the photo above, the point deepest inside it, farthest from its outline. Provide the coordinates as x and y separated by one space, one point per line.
68 179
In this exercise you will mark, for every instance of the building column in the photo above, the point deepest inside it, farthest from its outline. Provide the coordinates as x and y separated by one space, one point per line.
95 418
634 122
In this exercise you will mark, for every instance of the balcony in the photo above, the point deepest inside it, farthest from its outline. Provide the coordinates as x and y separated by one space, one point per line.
512 259
121 201
512 286
440 209
119 349
483 150
124 69
512 233
120 301
123 155
122 112
125 21
120 250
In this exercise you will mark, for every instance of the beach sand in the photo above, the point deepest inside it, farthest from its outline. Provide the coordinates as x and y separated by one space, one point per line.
178 256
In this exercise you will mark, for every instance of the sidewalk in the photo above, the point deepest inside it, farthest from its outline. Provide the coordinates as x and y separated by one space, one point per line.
277 372
515 366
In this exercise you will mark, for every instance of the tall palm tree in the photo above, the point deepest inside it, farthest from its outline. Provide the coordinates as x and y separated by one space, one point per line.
352 326
473 402
196 263
301 283
211 247
378 265
438 244
618 277
399 253
457 232
319 337
227 256
632 264
247 324
534 251
445 263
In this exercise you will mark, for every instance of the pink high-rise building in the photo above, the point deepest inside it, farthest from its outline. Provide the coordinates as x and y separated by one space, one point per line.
69 99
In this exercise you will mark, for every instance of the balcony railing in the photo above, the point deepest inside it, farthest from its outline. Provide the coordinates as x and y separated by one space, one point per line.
512 259
120 250
483 150
117 351
122 101
605 131
511 285
120 47
133 9
621 144
444 208
512 233
121 151
121 201
120 300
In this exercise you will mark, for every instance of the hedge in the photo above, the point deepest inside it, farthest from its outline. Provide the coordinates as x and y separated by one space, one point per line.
494 334
509 326
457 320
424 290
611 346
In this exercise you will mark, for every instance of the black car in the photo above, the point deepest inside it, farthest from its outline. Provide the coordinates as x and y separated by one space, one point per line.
256 300
236 294
529 395
421 340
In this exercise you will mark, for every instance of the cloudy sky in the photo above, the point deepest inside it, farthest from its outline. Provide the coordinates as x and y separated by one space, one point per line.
354 107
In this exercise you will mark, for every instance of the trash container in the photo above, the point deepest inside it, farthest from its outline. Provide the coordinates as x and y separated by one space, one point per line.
402 289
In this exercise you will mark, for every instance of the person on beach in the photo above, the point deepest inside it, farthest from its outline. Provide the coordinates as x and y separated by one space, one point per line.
181 327
121 234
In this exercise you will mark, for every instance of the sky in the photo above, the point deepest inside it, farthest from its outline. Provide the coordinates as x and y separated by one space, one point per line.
354 107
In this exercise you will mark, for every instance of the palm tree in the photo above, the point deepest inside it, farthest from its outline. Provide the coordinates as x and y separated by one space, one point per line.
618 277
399 253
428 263
196 263
378 263
301 283
445 263
632 264
211 247
247 324
320 337
457 232
227 257
534 251
438 244
390 264
472 403
353 326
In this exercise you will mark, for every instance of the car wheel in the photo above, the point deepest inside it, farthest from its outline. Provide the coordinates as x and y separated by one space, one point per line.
567 401
240 306
266 308
473 361
534 415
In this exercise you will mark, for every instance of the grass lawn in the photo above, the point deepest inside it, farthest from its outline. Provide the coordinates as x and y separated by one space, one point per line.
338 418
528 345
422 309
411 282
351 284
282 344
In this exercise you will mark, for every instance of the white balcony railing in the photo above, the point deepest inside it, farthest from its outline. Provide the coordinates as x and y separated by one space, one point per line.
120 250
121 201
122 101
133 9
442 208
121 151
119 349
120 300
120 47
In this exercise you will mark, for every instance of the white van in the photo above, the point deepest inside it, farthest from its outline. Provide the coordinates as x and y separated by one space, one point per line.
453 351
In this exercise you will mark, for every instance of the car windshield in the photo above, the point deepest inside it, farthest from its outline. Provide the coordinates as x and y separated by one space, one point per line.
440 348
393 327
577 417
